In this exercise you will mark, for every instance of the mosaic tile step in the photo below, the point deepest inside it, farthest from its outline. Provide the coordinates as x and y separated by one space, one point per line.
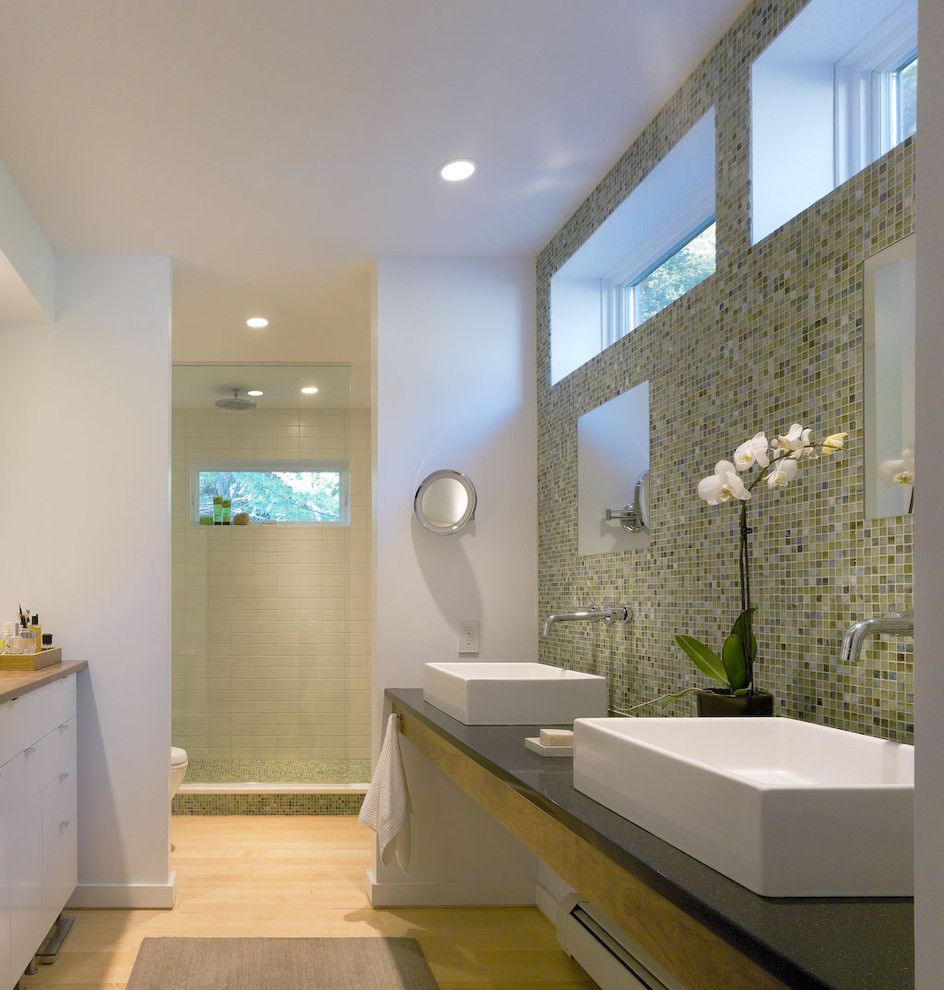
289 771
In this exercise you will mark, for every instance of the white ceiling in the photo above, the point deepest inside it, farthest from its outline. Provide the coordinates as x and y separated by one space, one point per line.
198 386
273 149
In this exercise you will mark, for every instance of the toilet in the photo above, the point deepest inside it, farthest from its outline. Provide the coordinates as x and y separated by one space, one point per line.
178 767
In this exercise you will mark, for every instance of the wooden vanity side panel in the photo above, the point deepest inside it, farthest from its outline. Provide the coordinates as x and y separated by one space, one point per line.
691 952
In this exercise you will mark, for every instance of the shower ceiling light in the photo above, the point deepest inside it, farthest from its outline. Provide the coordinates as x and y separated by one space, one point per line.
457 170
257 322
255 391
309 389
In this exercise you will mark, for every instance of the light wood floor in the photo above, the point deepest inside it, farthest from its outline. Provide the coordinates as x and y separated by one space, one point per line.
305 877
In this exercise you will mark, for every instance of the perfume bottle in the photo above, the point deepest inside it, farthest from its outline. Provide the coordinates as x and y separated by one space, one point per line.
26 640
37 630
6 639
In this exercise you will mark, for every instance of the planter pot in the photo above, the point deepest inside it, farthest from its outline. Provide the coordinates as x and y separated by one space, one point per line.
715 703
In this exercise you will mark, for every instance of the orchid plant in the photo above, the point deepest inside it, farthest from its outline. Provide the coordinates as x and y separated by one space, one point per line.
778 461
900 471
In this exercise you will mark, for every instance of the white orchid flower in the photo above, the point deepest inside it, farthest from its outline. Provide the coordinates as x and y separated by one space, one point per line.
723 485
782 473
796 443
835 441
899 471
753 451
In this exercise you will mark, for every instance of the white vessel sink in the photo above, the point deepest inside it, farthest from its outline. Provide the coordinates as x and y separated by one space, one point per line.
786 808
513 693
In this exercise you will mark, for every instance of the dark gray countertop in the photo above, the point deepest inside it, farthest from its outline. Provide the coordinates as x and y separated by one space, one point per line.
834 943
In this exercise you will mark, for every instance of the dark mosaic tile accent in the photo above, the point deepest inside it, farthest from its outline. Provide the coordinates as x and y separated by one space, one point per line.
773 337
267 804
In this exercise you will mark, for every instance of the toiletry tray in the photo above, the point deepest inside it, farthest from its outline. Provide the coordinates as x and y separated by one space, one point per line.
32 661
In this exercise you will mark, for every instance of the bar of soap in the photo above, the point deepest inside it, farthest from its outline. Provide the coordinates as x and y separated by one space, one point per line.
557 737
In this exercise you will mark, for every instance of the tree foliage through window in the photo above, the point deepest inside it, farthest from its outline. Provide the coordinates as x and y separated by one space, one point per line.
681 271
275 496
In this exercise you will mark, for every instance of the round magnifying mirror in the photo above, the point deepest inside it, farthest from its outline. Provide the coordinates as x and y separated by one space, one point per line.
444 502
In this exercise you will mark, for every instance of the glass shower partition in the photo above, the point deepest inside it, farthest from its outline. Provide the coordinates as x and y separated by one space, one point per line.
269 613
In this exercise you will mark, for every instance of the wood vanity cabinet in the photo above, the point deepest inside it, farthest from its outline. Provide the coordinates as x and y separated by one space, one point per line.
37 819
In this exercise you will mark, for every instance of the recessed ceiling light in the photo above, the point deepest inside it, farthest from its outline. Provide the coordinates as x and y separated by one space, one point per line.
457 169
257 321
255 391
310 389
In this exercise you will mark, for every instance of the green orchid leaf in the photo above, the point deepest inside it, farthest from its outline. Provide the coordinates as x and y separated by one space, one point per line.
706 660
735 662
743 628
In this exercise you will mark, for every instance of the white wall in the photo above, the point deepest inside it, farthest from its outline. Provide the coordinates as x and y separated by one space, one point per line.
27 264
454 362
85 537
929 535
454 387
792 144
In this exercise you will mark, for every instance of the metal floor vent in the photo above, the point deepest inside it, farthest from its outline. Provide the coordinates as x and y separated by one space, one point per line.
606 954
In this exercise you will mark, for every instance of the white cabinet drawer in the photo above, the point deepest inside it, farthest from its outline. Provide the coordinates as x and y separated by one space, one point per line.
60 873
59 805
59 751
30 716
22 722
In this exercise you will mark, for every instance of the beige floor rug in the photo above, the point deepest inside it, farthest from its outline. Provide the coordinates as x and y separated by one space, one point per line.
282 963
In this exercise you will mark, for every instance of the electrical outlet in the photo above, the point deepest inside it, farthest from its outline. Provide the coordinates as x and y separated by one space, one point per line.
468 636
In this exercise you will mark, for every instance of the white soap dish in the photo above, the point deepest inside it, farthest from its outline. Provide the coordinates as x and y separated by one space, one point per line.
534 744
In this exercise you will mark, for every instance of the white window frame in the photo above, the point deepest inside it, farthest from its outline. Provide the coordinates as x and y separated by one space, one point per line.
866 103
617 309
675 196
267 466
822 105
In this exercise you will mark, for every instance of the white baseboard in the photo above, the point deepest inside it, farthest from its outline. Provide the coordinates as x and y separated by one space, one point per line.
409 894
125 896
547 903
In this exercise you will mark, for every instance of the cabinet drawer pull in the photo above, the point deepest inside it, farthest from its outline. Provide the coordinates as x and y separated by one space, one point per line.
63 825
29 750
64 726
63 775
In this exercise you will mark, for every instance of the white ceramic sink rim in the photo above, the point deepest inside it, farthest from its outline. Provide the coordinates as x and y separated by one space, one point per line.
512 693
784 807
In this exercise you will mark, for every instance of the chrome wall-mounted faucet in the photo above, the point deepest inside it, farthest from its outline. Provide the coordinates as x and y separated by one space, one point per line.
606 615
892 622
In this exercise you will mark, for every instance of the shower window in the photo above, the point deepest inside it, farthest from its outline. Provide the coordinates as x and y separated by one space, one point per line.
274 491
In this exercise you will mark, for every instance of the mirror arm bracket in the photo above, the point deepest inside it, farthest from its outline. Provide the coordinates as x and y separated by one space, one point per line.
633 518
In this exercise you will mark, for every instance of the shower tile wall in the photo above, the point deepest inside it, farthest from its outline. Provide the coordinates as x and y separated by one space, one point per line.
774 336
270 623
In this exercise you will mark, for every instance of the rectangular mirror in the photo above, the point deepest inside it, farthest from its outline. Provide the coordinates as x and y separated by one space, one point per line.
612 452
889 286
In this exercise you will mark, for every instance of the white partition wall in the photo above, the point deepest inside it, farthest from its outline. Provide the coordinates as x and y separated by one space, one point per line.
929 538
85 537
453 381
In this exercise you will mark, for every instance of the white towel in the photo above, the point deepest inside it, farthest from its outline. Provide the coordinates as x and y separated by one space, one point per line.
386 808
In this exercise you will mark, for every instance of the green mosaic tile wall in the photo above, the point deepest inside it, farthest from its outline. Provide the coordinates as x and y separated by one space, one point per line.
773 337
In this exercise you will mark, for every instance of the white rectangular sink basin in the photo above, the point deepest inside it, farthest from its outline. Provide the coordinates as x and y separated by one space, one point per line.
786 808
513 693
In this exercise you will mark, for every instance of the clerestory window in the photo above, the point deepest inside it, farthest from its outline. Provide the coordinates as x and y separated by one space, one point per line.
836 90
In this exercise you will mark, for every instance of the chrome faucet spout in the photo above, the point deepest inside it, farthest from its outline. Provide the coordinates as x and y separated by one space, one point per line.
606 615
892 622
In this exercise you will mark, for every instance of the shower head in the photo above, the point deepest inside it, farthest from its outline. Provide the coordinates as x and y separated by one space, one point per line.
235 403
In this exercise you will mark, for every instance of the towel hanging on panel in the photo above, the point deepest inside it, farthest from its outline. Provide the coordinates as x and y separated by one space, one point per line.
386 808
